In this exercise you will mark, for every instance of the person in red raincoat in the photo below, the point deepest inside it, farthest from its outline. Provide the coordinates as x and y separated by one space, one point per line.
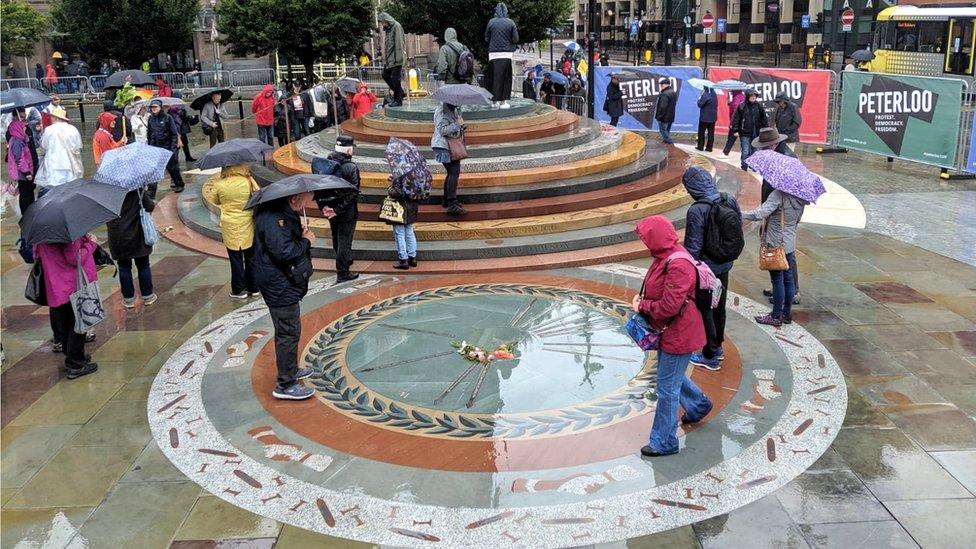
51 76
163 89
262 107
103 141
362 101
668 303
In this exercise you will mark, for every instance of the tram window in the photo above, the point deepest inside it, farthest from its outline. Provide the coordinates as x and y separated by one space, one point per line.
884 35
931 36
906 36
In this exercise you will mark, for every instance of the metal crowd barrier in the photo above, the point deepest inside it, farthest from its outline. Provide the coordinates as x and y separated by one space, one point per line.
572 103
247 78
175 80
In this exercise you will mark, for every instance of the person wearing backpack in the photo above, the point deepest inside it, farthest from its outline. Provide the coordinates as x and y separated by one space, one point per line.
666 301
713 234
455 64
342 210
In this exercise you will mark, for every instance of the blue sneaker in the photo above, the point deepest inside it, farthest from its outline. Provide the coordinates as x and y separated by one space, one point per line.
719 354
712 364
303 373
296 391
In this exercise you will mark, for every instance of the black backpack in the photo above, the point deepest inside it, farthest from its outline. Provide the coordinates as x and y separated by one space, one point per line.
464 68
723 239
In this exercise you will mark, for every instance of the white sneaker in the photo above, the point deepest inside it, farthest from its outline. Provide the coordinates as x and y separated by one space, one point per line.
129 303
242 295
505 105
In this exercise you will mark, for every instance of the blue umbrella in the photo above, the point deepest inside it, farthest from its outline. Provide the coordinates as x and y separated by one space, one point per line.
557 77
731 85
133 166
572 46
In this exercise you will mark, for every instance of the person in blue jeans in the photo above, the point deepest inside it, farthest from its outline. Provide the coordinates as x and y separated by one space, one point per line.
126 242
667 301
747 122
664 111
781 213
403 235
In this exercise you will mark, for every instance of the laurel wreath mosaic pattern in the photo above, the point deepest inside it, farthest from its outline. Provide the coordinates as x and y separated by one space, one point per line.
325 357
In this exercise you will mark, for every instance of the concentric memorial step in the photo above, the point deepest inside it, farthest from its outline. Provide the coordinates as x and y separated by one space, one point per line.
562 122
540 114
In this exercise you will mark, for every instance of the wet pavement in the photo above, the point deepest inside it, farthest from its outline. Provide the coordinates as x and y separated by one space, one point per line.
894 304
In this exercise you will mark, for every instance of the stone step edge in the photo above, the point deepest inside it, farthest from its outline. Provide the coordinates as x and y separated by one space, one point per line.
379 122
563 122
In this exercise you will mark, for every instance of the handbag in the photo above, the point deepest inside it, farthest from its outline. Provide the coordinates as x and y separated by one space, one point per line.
391 210
150 236
647 337
773 258
459 151
86 301
36 292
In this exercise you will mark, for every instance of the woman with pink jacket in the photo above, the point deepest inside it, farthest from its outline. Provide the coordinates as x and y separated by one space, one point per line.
737 98
60 265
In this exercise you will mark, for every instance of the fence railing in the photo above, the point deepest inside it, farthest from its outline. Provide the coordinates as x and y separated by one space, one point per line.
572 103
175 80
248 78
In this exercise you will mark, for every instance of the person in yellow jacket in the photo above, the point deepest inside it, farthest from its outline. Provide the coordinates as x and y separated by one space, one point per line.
231 192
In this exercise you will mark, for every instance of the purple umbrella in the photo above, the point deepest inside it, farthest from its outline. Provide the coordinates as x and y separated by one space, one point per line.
787 174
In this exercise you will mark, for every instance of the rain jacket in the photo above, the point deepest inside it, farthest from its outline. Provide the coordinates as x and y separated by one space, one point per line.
51 75
700 185
788 119
707 106
62 155
263 106
614 103
749 119
213 115
393 41
346 205
125 236
737 99
445 125
779 233
669 289
103 141
19 161
447 57
501 34
231 192
139 128
163 131
363 101
278 244
667 102
61 268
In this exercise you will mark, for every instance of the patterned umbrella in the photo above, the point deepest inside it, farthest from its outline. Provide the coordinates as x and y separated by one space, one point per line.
133 166
787 174
403 157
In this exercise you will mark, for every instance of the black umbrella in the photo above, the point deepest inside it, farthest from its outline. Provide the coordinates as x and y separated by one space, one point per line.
462 94
297 184
348 85
67 212
18 98
862 55
137 77
204 97
235 151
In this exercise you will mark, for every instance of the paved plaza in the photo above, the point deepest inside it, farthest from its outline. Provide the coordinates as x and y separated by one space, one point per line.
852 427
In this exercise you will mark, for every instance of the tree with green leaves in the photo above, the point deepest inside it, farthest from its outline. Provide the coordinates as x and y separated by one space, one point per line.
23 26
470 17
129 32
306 30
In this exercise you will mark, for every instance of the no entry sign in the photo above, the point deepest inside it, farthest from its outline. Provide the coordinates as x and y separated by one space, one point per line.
847 18
707 20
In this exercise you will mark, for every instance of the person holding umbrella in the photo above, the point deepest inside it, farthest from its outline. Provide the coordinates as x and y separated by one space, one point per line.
103 141
127 244
448 124
164 132
736 98
794 186
283 266
707 115
212 114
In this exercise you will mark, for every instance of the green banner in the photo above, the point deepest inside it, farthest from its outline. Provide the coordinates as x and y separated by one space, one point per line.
911 117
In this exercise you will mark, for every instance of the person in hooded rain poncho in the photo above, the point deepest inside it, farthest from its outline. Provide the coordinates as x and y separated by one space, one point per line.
502 38
62 152
447 58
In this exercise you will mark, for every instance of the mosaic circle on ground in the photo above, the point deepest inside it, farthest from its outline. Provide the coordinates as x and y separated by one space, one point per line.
210 414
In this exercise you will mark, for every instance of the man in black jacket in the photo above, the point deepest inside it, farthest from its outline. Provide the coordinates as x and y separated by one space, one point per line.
667 101
163 131
748 121
341 210
282 267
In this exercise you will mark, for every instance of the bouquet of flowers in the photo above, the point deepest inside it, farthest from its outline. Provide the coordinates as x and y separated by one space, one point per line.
505 351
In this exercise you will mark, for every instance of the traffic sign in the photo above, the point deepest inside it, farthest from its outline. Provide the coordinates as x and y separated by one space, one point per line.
687 21
707 20
773 8
805 21
847 18
720 24
707 30
633 28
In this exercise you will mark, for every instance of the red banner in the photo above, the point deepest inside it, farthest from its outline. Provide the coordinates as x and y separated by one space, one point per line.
809 90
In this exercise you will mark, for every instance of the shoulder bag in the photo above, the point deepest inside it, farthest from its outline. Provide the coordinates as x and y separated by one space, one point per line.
647 337
391 210
35 292
773 258
459 151
86 301
150 236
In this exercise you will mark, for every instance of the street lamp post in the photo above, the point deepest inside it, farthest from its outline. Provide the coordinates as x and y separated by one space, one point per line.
667 32
594 33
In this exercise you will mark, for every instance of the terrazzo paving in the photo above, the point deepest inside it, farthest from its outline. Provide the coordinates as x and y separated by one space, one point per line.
80 464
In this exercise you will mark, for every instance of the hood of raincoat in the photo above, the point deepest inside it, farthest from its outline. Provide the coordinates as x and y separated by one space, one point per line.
268 90
781 96
105 121
450 37
385 18
362 87
699 183
18 129
242 170
501 10
658 234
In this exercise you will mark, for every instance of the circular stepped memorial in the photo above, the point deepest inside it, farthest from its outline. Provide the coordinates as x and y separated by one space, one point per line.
543 188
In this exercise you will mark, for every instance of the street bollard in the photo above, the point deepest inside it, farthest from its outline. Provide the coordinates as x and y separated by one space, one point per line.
240 108
81 112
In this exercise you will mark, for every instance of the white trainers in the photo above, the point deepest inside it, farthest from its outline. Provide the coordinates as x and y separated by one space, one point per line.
505 105
149 299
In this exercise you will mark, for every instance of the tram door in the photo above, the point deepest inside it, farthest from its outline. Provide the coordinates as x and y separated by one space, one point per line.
959 54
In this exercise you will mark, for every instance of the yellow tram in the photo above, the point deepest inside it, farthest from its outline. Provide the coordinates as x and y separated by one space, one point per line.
924 41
